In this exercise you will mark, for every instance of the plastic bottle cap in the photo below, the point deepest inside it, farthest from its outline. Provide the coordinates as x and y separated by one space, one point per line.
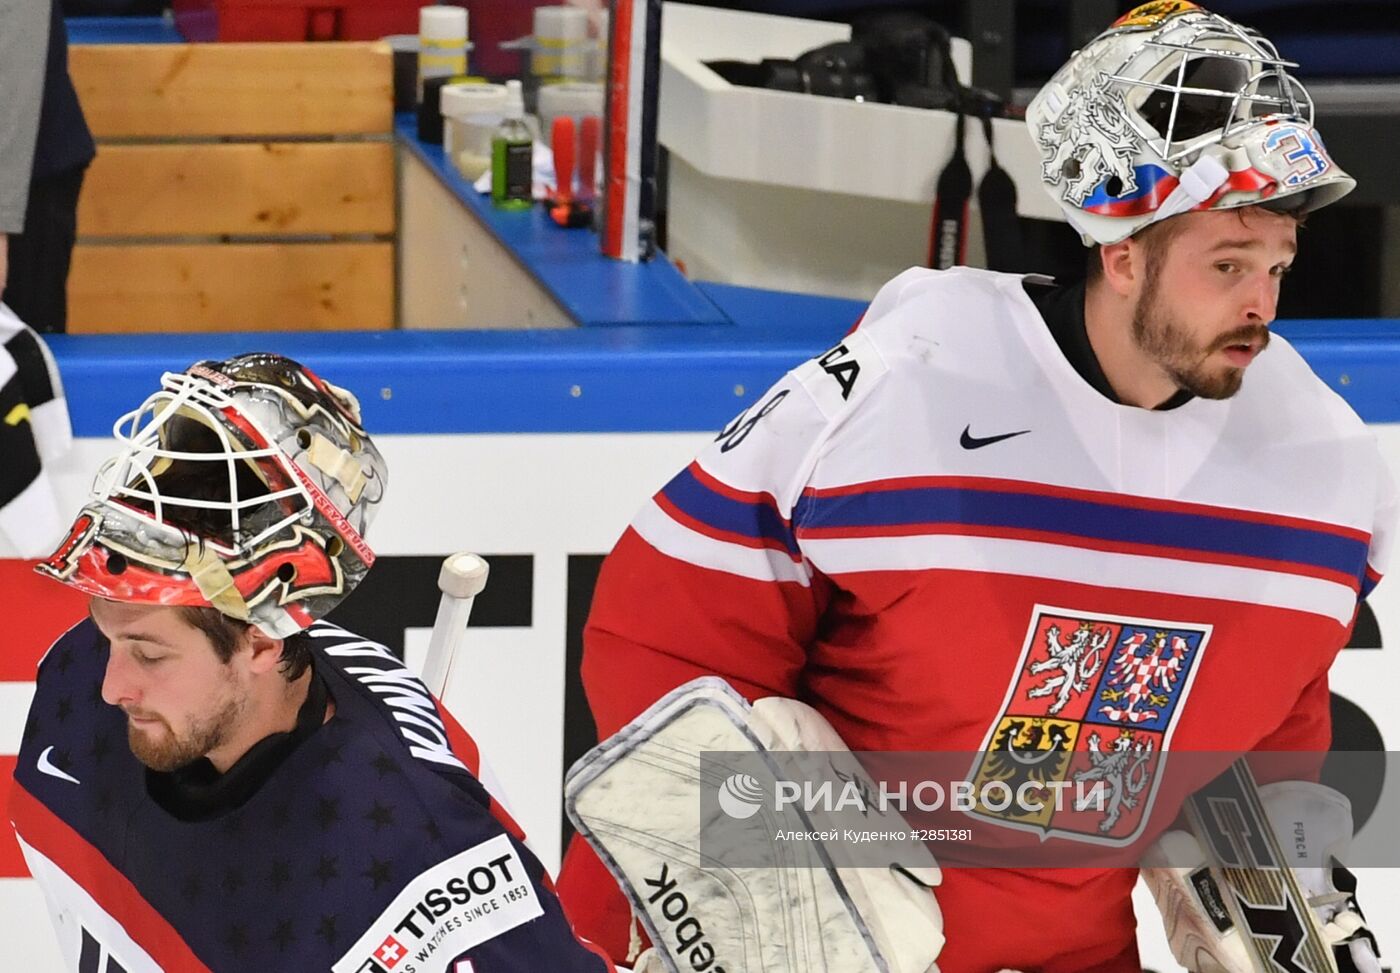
571 98
462 100
562 22
441 22
515 100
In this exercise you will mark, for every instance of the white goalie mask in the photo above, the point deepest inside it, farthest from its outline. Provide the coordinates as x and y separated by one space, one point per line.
1173 109
245 485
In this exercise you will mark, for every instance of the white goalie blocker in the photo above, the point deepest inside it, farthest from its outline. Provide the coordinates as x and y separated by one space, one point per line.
636 798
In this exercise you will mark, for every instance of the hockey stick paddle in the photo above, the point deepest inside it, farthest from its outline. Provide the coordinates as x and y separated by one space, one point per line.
1253 882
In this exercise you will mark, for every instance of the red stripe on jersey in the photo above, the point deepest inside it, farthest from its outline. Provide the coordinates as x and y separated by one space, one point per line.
595 950
463 746
41 610
469 753
733 493
109 888
1077 540
591 947
994 485
778 620
11 859
729 537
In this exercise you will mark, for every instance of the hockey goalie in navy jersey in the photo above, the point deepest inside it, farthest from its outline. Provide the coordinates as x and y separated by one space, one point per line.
211 778
1116 514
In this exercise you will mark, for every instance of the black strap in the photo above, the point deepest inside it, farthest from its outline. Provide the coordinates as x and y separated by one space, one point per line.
947 242
996 197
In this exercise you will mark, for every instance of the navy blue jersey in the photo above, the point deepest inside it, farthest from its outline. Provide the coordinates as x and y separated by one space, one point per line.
371 848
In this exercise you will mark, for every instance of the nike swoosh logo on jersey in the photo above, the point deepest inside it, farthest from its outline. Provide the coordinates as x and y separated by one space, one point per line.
47 767
969 441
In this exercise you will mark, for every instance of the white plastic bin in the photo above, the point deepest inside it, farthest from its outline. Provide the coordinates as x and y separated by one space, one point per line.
798 192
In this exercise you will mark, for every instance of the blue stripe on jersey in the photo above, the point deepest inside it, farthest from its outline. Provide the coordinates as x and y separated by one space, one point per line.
755 519
1368 582
1084 518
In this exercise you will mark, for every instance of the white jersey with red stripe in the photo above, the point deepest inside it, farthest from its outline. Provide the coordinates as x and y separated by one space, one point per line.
941 536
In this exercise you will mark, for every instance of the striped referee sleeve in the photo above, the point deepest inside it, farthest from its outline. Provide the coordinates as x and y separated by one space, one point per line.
34 432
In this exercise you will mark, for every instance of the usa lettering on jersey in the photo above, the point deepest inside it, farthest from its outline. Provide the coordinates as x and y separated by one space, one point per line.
382 673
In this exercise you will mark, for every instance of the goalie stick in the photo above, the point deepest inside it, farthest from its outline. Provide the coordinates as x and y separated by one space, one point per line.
1249 884
462 578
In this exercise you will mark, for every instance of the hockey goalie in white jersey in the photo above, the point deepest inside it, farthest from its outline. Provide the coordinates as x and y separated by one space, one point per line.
903 532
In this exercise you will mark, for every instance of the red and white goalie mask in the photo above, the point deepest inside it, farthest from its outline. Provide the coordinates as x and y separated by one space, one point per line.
1173 109
246 485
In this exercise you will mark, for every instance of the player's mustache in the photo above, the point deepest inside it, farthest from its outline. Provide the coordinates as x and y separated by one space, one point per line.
1248 334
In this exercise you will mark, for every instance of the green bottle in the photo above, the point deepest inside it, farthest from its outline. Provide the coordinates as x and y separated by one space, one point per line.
512 156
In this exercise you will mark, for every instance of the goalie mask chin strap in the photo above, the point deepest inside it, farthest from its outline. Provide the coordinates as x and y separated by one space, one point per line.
215 582
1198 184
338 464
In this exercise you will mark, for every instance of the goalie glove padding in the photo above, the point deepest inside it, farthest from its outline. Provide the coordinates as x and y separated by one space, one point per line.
903 916
636 798
1311 822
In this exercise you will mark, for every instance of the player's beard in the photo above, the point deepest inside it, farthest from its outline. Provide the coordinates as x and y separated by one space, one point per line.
1163 339
166 750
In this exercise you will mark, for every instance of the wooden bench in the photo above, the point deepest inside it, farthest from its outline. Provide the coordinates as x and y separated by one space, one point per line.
237 187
